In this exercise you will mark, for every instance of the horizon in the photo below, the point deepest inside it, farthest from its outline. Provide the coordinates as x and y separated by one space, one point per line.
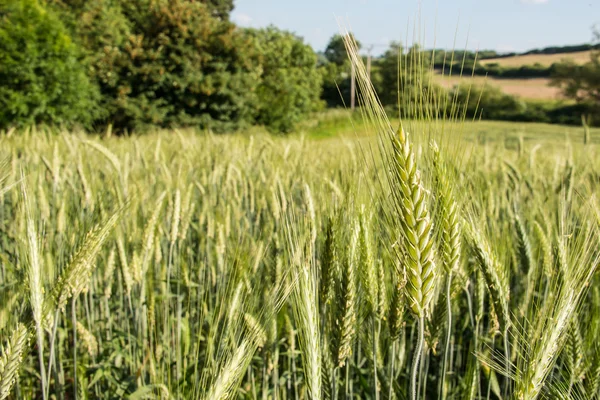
467 24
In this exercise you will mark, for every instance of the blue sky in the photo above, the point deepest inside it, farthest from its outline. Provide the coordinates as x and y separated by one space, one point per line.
503 25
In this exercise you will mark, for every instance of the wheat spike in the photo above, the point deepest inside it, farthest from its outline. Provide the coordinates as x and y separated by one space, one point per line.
409 208
574 352
450 222
34 268
416 224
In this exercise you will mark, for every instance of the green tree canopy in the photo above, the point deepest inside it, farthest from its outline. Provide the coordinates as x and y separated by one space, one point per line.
42 79
580 82
404 81
335 52
290 83
219 8
167 63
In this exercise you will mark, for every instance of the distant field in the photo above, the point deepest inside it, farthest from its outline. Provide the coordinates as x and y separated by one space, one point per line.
534 88
341 124
579 57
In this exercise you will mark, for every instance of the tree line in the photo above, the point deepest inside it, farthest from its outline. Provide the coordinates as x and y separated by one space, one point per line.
139 63
134 64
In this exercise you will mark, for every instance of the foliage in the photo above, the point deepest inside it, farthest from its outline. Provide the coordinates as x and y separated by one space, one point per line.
580 82
219 8
166 63
498 71
290 83
336 84
42 79
489 101
336 73
335 52
178 66
403 81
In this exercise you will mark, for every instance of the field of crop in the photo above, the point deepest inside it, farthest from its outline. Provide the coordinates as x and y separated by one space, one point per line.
580 57
186 265
531 88
357 260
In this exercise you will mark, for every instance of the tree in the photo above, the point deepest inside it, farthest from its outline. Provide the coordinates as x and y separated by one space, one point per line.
336 72
336 85
42 79
220 8
167 63
335 52
580 82
404 81
290 83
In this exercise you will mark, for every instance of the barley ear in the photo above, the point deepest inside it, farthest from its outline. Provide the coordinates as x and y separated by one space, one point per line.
449 218
75 277
397 309
10 360
87 339
328 264
367 268
345 320
150 232
493 274
36 289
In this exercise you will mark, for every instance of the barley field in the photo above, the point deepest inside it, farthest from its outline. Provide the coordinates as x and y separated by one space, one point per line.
424 260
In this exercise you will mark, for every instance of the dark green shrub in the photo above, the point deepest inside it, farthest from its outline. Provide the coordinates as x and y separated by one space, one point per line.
336 84
571 114
42 79
489 102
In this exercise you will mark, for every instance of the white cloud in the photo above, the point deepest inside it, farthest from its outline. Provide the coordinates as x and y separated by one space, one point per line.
534 1
242 19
